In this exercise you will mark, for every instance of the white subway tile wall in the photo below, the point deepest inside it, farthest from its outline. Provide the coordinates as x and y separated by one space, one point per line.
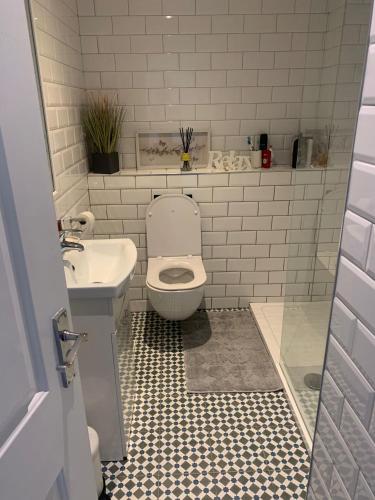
237 67
345 47
59 57
250 237
344 449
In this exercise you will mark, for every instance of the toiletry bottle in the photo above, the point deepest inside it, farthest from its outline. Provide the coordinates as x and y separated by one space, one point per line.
263 141
295 146
309 151
266 158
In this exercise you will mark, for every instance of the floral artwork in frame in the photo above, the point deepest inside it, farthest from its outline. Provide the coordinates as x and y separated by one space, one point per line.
163 149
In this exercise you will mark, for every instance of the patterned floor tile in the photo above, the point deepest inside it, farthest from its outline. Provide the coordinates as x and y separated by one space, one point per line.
269 484
308 401
122 483
188 487
256 484
199 446
184 454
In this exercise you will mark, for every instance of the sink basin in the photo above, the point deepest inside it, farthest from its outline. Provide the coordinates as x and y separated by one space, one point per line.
103 270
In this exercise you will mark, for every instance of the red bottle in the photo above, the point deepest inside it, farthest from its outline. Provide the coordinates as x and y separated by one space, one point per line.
266 158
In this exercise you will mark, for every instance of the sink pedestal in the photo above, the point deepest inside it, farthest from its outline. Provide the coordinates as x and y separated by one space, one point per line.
97 280
108 399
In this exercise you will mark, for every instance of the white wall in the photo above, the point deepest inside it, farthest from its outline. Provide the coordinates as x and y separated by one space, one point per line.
60 65
344 447
258 229
237 66
345 48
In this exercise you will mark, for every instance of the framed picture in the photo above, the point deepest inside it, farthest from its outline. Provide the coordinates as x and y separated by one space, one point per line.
163 149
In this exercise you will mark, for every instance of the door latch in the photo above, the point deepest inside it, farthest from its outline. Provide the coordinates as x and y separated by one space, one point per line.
68 344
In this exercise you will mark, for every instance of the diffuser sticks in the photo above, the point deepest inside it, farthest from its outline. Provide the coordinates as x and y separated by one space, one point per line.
186 137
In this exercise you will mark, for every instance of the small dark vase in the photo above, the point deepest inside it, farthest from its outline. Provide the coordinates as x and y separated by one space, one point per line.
104 163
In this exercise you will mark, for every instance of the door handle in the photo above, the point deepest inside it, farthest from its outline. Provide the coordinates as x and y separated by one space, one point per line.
68 344
77 339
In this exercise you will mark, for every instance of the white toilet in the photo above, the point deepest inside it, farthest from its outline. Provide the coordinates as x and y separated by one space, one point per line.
175 272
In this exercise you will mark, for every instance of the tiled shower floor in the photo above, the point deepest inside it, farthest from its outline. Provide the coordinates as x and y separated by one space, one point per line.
210 446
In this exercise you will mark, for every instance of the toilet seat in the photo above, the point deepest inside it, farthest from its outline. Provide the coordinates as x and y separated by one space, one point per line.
194 264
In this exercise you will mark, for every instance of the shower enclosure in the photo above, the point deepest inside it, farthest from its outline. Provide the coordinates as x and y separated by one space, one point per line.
311 268
319 191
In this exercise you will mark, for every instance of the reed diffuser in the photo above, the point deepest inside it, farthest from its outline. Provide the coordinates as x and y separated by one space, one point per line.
186 137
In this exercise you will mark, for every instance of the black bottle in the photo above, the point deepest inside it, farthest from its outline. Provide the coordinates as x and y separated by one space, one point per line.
295 152
263 141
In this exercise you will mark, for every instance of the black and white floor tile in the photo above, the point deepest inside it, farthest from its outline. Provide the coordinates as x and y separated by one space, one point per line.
201 446
308 401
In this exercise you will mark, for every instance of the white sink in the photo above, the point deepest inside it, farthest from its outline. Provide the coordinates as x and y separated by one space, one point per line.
103 270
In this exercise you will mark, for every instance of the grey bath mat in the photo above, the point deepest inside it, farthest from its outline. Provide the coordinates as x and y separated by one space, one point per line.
224 352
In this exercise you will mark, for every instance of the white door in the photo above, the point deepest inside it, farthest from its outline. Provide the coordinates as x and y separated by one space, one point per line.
44 447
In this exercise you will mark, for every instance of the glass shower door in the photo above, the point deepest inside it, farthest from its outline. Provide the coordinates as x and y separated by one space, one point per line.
310 275
318 202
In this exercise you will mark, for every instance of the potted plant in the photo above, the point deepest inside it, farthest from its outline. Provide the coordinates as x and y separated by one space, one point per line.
101 122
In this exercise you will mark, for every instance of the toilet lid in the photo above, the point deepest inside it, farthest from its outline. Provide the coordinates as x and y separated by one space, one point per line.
173 226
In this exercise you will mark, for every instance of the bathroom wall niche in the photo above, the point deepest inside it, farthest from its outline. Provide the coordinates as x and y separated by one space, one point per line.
163 149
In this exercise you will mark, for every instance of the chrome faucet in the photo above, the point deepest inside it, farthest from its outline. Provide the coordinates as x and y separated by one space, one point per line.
70 245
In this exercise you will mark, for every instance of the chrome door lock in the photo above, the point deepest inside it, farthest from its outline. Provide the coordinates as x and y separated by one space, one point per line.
68 344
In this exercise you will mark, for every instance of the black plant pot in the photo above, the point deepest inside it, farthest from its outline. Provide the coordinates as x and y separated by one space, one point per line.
104 163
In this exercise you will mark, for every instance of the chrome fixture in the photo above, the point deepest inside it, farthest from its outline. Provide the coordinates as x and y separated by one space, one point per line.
70 245
68 344
66 232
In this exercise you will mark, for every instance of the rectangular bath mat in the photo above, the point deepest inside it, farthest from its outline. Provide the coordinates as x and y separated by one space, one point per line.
224 352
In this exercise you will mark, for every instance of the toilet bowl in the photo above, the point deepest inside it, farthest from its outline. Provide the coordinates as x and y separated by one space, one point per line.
175 272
